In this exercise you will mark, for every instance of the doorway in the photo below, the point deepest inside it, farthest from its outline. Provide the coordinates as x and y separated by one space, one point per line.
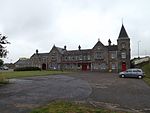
123 66
43 66
84 67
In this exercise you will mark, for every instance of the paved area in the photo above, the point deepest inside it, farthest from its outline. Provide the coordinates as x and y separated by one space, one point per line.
111 91
98 89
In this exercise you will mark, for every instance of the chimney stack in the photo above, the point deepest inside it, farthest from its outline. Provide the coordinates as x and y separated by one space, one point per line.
37 51
109 42
79 47
65 47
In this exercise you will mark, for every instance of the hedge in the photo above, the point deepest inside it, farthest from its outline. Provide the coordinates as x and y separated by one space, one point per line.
27 69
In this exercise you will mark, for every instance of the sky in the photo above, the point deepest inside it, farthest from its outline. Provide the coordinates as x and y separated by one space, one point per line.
40 24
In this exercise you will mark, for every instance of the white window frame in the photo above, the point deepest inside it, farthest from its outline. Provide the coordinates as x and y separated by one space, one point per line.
123 55
113 66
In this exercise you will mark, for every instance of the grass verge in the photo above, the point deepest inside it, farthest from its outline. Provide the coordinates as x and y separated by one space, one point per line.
18 74
3 81
4 76
70 107
146 69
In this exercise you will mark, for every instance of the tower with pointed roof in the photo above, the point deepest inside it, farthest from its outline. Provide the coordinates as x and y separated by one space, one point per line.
123 43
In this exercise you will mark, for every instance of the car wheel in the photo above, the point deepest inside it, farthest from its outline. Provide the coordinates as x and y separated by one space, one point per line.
122 76
139 76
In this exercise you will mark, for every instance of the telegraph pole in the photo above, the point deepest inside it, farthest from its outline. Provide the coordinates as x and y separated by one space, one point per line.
138 48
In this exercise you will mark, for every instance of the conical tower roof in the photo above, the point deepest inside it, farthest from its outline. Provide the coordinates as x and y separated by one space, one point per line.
123 33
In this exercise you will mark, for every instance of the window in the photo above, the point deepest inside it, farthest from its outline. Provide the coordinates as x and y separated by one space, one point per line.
73 58
53 58
53 53
129 70
66 58
98 55
76 57
78 65
123 55
102 66
80 57
135 71
98 48
88 57
69 57
138 70
123 45
113 55
113 66
84 57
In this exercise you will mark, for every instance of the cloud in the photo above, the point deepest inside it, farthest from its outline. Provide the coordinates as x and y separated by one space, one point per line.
32 24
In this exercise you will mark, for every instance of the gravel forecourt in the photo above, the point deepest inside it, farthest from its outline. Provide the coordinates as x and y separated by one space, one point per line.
99 89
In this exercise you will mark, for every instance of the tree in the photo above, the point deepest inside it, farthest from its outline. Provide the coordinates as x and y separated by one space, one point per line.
3 41
1 62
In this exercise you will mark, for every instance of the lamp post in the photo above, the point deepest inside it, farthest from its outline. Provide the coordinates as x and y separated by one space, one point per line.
138 48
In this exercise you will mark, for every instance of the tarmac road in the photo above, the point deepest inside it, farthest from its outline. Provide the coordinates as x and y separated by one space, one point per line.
98 89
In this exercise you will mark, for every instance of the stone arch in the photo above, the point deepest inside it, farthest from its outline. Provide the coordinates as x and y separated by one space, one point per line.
43 66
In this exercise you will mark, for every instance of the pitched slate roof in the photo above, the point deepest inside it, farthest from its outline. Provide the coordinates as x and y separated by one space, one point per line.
123 33
61 50
84 51
43 54
40 55
99 43
112 48
22 60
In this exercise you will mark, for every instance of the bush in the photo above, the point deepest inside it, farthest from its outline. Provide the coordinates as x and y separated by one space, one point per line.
146 69
27 69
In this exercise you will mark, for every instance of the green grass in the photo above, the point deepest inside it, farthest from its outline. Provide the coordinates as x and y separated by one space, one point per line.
3 81
146 69
18 74
70 107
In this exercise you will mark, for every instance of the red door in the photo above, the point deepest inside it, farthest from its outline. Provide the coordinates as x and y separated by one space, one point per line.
84 67
123 66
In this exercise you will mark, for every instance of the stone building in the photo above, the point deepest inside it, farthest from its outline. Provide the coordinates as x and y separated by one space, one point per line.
99 58
22 62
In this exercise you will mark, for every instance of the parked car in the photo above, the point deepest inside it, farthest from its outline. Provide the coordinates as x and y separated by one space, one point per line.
4 68
138 73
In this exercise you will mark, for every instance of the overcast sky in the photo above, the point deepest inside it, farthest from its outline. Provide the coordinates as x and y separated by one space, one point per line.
39 24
